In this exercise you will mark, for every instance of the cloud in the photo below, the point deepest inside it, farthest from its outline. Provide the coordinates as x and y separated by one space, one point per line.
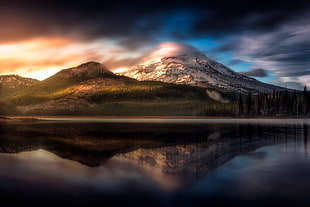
288 84
40 58
234 62
114 63
135 42
92 19
284 51
238 17
273 35
84 19
154 54
172 49
256 73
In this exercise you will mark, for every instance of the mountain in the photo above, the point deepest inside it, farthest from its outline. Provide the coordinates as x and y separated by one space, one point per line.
186 65
12 83
85 71
71 76
92 89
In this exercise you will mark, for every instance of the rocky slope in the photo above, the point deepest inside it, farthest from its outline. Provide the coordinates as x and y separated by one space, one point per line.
191 67
12 83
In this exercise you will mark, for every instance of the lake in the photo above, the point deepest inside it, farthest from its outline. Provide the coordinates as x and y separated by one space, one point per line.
155 162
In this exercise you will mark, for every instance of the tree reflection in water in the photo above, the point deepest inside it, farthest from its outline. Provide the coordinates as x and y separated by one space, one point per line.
126 157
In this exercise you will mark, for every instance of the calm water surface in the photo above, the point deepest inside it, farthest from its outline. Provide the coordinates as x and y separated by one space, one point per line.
156 162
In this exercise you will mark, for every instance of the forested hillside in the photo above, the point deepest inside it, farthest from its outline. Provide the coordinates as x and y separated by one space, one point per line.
276 104
91 89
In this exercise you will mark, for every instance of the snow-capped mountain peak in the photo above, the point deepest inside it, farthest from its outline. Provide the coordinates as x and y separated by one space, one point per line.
183 64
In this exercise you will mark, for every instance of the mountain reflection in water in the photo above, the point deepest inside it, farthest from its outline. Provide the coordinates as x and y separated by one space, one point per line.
106 161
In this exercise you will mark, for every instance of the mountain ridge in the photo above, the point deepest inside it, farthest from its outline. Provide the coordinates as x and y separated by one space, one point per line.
91 89
194 68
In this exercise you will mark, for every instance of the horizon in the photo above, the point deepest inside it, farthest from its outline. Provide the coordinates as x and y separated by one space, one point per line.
268 42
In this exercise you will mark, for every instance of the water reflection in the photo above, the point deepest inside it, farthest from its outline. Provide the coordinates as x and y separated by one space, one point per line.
105 161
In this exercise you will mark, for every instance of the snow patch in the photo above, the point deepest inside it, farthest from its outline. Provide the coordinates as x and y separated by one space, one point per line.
215 95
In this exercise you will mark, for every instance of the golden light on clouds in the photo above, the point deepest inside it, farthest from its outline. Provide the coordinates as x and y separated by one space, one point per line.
164 49
120 70
36 58
167 49
42 57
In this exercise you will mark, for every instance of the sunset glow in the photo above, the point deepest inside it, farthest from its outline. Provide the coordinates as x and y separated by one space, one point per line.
155 103
37 58
40 39
120 70
165 49
43 57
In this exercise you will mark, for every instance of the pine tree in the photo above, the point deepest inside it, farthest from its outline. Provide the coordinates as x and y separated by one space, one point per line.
258 104
240 103
248 103
305 101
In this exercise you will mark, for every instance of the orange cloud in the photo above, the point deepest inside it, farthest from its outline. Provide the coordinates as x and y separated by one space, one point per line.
42 57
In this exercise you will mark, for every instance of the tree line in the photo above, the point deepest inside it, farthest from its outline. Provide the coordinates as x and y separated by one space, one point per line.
278 103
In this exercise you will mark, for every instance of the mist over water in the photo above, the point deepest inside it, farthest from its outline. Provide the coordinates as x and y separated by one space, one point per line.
159 162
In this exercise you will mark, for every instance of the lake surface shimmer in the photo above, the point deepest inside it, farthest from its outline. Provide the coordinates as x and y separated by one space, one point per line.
155 162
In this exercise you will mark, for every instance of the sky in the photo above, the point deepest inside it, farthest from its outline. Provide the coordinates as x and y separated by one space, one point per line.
268 40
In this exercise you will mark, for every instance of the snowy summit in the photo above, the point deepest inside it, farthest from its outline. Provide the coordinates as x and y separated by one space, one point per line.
183 64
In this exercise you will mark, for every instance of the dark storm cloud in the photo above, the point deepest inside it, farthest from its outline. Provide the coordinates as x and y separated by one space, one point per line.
258 72
87 19
90 19
236 17
83 19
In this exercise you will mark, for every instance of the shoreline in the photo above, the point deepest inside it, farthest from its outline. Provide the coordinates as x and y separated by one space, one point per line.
9 117
155 119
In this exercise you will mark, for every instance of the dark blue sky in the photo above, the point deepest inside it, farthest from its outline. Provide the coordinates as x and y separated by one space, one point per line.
268 40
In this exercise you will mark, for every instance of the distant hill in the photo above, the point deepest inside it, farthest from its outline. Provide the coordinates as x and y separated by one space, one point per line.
68 77
12 83
92 89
